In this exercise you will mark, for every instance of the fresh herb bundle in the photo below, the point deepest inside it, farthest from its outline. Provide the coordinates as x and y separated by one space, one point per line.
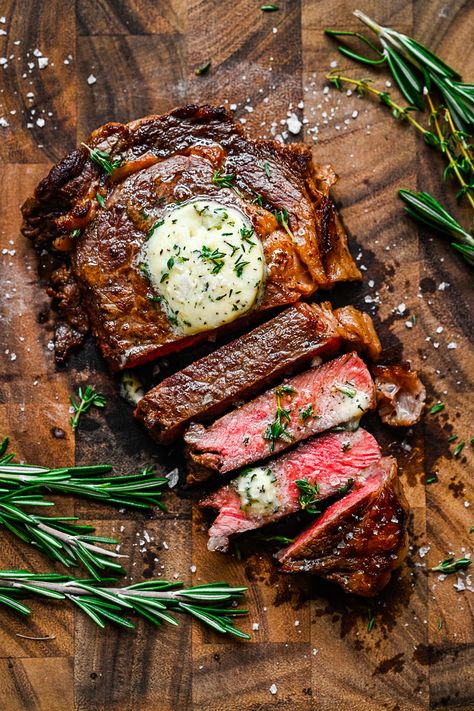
212 604
429 85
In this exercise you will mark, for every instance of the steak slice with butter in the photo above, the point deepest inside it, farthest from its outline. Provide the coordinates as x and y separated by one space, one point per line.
360 539
94 222
329 463
242 368
314 401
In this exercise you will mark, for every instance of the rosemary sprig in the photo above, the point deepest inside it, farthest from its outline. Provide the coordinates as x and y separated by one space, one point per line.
212 604
420 75
103 159
309 495
68 543
424 208
278 428
449 565
87 398
141 490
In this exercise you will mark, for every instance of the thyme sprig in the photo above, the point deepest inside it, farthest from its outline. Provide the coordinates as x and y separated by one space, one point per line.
420 76
103 159
449 565
89 397
212 604
309 495
278 428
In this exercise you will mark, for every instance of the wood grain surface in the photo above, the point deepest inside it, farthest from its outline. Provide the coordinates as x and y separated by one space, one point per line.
312 640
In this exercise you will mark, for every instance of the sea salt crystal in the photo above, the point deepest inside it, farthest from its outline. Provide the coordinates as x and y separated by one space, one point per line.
273 689
3 122
255 626
165 545
333 64
297 623
233 107
355 114
91 79
294 124
443 286
40 122
192 568
409 324
43 62
440 329
451 346
401 308
459 585
37 52
423 551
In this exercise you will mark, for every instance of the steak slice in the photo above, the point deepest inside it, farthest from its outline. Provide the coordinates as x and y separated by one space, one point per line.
312 402
240 369
360 539
328 462
166 160
400 395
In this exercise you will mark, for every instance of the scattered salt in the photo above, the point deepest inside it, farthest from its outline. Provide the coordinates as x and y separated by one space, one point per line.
91 79
43 62
273 689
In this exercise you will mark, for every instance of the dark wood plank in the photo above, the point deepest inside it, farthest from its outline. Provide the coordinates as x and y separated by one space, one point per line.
43 123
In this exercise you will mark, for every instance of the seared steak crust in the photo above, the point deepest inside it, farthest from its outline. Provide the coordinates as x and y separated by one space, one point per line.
167 159
359 540
240 369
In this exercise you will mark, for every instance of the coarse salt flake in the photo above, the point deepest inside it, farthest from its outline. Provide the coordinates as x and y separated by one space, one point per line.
273 689
91 79
43 62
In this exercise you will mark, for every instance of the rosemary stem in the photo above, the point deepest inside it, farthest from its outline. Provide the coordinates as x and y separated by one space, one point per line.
376 92
72 541
71 589
367 21
460 142
450 157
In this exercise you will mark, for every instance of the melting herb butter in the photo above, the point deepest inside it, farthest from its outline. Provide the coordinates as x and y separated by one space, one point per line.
257 491
206 264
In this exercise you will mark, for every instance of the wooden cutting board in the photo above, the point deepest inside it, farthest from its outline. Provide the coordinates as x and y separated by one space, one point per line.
122 60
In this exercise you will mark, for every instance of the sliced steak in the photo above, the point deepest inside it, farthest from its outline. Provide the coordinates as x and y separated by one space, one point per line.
360 539
239 370
165 160
314 401
400 395
260 495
